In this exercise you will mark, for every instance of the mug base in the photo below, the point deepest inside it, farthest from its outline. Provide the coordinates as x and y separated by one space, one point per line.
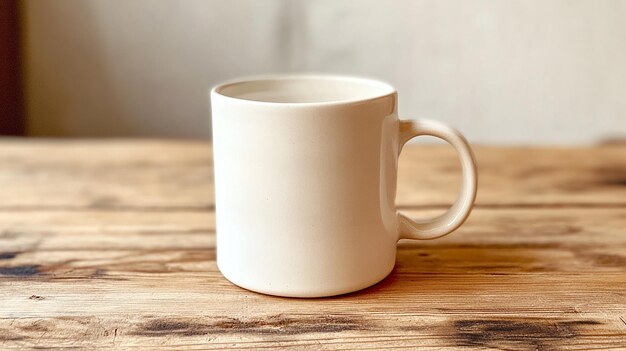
308 293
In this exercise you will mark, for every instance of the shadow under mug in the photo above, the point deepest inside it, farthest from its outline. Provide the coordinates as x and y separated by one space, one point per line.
305 183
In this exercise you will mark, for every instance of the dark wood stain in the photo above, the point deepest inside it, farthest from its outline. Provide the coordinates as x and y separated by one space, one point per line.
616 182
161 327
98 273
8 234
20 271
38 326
517 334
8 336
64 270
277 324
36 297
613 176
8 255
599 177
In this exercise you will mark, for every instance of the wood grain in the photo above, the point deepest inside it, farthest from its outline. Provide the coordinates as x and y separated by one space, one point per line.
542 269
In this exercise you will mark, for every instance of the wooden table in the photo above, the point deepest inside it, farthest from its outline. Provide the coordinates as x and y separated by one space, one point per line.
111 244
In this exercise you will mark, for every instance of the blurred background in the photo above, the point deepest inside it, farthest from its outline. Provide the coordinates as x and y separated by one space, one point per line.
503 72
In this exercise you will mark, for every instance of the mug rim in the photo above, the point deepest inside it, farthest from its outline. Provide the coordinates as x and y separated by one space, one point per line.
386 89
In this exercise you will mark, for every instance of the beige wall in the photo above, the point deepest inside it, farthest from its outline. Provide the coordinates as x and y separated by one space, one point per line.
513 72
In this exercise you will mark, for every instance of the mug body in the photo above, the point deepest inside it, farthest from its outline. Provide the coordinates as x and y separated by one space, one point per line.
305 181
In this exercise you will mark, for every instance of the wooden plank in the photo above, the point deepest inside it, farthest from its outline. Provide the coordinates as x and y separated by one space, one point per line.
112 244
74 174
102 230
516 279
517 176
157 175
316 331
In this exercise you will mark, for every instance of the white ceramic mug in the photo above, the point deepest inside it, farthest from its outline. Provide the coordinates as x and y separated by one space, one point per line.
305 183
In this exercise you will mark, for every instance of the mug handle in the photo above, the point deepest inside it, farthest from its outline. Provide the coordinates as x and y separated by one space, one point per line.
457 214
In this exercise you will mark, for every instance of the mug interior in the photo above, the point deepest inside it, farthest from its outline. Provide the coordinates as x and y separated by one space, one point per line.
306 89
